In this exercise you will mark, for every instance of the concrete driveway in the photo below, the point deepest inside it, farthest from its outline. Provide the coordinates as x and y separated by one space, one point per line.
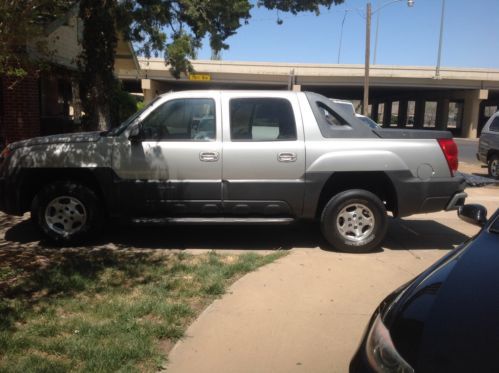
307 311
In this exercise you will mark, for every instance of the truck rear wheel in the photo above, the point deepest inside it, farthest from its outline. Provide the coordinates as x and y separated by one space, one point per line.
354 221
494 166
67 212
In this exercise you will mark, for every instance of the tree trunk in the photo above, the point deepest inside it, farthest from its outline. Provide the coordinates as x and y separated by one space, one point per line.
98 83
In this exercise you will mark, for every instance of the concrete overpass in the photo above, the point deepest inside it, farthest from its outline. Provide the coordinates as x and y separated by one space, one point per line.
460 100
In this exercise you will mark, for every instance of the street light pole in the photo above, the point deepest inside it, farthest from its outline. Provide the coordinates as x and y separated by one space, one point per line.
365 102
437 70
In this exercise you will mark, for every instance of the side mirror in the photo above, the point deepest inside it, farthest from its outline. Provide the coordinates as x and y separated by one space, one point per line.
474 214
134 135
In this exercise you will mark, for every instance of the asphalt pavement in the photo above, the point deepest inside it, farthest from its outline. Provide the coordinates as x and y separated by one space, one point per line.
467 151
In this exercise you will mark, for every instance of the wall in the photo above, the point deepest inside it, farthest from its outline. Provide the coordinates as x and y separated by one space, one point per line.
20 112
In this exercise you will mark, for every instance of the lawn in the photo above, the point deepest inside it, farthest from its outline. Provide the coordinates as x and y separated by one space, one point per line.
108 310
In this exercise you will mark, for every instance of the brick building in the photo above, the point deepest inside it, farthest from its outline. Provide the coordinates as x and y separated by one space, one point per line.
44 105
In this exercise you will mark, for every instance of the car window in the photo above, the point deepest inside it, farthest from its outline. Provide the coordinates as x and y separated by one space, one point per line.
261 119
190 119
371 123
330 116
494 126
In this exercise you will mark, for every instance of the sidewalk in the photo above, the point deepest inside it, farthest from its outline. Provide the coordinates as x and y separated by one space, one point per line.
307 311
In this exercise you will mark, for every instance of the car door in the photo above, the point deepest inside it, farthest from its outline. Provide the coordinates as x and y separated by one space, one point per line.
173 167
263 154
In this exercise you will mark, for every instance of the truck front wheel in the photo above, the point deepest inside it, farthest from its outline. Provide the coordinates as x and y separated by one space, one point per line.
66 212
354 221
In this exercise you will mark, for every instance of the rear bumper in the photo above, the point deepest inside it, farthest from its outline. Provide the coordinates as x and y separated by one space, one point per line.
457 200
415 196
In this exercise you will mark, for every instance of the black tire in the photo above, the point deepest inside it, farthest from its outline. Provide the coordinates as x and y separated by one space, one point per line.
58 191
493 166
373 223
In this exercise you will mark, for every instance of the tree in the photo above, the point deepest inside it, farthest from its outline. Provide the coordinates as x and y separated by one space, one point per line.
20 19
174 28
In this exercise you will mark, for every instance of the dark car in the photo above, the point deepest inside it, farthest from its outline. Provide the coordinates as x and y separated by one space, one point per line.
447 318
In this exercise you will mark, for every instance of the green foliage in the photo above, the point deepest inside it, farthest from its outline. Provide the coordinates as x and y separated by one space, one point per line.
123 105
296 6
20 19
176 28
172 28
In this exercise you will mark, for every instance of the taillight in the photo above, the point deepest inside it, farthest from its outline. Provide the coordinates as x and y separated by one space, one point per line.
449 148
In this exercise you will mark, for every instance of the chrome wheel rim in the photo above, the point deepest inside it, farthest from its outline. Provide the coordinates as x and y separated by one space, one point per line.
65 215
355 222
494 165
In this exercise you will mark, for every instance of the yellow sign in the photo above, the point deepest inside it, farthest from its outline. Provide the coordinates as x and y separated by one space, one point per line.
205 77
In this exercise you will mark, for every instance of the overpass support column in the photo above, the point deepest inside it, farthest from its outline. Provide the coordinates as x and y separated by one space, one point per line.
471 111
402 114
442 114
151 89
374 110
419 113
387 114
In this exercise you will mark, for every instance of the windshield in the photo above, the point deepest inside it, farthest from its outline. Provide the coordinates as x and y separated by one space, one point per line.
118 130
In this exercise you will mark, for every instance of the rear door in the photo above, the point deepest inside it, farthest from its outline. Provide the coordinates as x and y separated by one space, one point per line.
263 154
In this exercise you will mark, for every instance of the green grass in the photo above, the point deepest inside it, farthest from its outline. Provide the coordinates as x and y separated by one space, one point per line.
103 310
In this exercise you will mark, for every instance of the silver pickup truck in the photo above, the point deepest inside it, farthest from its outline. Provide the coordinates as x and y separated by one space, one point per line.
255 157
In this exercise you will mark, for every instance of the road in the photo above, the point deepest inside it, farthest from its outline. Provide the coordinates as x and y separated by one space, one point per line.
467 151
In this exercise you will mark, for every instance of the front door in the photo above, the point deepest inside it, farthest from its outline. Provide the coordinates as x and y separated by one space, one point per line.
175 168
263 155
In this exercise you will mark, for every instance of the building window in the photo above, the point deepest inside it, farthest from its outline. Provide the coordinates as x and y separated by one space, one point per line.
381 112
430 114
411 110
394 117
455 118
489 110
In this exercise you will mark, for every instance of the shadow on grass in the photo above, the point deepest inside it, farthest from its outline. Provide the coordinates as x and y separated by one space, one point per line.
38 273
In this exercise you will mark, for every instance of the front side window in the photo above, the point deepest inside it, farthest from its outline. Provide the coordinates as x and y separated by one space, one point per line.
262 119
189 119
494 126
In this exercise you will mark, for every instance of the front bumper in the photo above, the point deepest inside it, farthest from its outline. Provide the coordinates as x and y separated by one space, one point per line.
9 198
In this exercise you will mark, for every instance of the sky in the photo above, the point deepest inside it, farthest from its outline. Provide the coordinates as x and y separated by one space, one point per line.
407 36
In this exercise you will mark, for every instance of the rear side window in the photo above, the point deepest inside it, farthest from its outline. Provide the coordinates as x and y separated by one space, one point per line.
494 126
262 119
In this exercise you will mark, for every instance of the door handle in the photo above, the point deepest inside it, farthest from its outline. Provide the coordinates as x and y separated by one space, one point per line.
286 157
208 156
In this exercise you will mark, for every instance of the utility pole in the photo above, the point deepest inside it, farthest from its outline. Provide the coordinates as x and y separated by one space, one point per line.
365 102
437 70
